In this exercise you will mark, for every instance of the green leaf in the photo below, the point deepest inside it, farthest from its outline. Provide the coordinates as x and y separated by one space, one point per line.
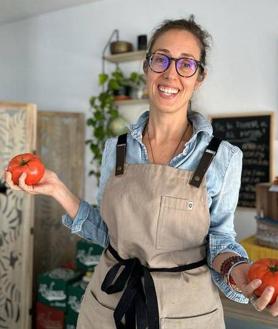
92 101
114 113
118 74
114 84
91 122
99 116
94 148
99 133
102 78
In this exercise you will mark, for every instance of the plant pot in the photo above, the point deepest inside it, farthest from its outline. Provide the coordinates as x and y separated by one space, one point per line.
123 93
138 92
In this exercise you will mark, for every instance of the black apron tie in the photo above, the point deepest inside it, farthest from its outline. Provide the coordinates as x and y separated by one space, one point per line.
138 303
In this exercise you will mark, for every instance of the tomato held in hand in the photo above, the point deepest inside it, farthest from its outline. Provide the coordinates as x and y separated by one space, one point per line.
26 163
266 270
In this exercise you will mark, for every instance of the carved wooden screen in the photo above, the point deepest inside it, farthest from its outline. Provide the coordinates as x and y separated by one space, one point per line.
17 135
61 145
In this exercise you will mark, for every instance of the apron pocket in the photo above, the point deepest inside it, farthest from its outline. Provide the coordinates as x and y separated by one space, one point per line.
93 314
175 225
211 320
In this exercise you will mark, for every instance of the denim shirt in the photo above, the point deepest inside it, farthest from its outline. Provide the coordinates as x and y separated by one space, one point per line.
222 181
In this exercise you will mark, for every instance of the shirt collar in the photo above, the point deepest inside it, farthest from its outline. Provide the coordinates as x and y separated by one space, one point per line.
200 124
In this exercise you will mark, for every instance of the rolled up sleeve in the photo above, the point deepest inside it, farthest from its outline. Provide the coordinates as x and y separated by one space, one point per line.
88 224
222 234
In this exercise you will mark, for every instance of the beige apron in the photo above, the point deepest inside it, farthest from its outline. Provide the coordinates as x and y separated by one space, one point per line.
154 215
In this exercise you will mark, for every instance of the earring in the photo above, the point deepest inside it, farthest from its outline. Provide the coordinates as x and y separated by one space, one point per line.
145 66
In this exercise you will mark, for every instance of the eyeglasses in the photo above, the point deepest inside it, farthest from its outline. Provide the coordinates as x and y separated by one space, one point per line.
185 66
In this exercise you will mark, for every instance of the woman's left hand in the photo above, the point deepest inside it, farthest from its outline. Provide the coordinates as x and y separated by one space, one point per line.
239 275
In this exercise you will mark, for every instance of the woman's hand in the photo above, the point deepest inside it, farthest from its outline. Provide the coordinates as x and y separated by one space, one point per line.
239 275
50 185
46 186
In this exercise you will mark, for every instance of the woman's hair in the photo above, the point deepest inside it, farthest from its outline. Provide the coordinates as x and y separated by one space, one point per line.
188 25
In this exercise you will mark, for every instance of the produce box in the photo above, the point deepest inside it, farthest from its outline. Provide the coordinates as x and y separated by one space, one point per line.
76 291
75 295
70 323
87 255
49 317
255 251
52 289
267 201
267 232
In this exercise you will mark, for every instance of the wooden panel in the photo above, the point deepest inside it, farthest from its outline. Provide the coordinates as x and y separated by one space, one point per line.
61 145
17 135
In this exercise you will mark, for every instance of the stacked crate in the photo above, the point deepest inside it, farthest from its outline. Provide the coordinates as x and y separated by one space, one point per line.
267 214
52 297
87 257
61 290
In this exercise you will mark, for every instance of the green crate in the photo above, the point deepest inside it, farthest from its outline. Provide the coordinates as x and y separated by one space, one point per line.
52 289
70 323
75 294
87 255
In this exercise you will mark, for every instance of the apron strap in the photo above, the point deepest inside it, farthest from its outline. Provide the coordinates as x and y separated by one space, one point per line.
199 173
120 154
205 162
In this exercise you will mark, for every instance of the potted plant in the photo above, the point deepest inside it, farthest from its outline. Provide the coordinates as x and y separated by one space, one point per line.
137 82
120 85
105 120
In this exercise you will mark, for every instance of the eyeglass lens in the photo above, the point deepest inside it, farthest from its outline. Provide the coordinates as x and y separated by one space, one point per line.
185 67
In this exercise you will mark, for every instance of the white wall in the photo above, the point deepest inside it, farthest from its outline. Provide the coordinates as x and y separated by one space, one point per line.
53 60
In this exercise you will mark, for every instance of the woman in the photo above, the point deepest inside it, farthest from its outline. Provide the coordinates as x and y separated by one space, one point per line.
167 196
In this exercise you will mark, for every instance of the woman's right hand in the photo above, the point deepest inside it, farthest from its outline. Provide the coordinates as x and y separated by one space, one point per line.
50 185
46 186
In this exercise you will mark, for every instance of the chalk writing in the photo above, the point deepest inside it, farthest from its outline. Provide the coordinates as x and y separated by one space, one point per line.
252 135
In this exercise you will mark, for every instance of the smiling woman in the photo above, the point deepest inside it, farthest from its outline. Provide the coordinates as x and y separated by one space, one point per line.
166 201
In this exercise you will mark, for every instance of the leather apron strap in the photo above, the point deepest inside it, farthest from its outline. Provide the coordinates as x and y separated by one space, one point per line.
199 173
120 154
205 162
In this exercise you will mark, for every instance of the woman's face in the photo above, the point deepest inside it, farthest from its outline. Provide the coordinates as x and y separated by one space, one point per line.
168 91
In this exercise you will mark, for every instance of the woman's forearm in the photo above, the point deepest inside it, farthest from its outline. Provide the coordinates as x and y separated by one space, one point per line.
67 199
219 259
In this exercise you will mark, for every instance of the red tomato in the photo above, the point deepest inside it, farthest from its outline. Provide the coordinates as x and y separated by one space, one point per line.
26 163
266 270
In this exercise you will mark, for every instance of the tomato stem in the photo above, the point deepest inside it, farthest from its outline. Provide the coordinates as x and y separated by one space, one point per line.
24 162
273 268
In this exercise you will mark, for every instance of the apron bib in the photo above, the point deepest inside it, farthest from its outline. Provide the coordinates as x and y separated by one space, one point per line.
154 269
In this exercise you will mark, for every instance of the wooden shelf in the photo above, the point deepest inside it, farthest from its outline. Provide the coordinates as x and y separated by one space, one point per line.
247 312
132 102
126 57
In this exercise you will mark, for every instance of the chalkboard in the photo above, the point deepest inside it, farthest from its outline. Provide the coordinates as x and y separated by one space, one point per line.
254 134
